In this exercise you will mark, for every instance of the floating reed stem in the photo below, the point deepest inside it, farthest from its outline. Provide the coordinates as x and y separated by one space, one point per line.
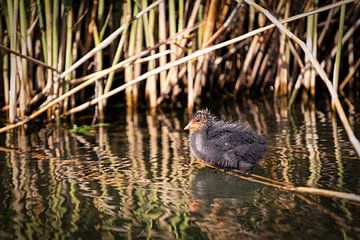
288 187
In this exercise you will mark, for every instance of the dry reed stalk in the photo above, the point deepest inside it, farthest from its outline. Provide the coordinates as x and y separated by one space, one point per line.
150 88
162 37
61 56
129 71
253 50
189 28
281 76
225 25
309 33
5 69
314 48
48 35
12 19
257 63
137 38
190 85
355 142
260 62
283 67
172 77
181 19
96 19
55 45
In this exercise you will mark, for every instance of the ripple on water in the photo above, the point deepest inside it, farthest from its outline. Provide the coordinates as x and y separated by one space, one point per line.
137 180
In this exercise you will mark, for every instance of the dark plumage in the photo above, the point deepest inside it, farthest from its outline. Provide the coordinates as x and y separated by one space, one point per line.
229 145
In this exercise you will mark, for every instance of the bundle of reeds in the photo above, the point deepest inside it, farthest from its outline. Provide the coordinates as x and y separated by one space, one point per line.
54 51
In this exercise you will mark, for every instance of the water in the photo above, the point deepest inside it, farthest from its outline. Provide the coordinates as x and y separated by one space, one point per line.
134 179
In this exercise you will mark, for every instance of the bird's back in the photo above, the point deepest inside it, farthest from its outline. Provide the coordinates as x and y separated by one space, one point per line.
235 144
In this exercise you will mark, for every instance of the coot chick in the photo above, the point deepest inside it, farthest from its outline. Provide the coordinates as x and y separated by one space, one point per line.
227 145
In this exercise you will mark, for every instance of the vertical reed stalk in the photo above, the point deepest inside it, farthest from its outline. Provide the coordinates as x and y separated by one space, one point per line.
68 51
48 19
24 70
42 29
13 17
124 20
129 74
162 48
55 44
138 46
150 89
251 18
201 28
309 37
172 77
281 81
190 85
314 48
5 69
181 15
338 54
203 61
99 54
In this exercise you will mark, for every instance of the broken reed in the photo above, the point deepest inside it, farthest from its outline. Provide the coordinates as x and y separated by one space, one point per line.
59 33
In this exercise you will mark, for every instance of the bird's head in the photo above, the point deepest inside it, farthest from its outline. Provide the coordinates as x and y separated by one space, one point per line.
199 120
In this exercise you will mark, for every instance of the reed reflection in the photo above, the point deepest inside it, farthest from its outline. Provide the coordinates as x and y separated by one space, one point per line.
135 179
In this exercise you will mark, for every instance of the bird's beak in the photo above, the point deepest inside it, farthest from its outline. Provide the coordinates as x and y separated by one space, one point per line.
187 127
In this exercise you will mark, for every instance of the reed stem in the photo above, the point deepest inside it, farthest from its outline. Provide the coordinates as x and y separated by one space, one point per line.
338 54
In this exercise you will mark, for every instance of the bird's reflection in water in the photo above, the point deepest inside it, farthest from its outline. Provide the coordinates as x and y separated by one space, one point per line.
218 200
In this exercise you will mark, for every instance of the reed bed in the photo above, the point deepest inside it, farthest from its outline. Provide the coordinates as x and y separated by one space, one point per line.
61 57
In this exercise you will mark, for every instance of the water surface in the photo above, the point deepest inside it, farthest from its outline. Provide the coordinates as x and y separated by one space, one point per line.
135 179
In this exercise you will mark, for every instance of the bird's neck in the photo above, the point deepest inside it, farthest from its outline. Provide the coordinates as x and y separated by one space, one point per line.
199 144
